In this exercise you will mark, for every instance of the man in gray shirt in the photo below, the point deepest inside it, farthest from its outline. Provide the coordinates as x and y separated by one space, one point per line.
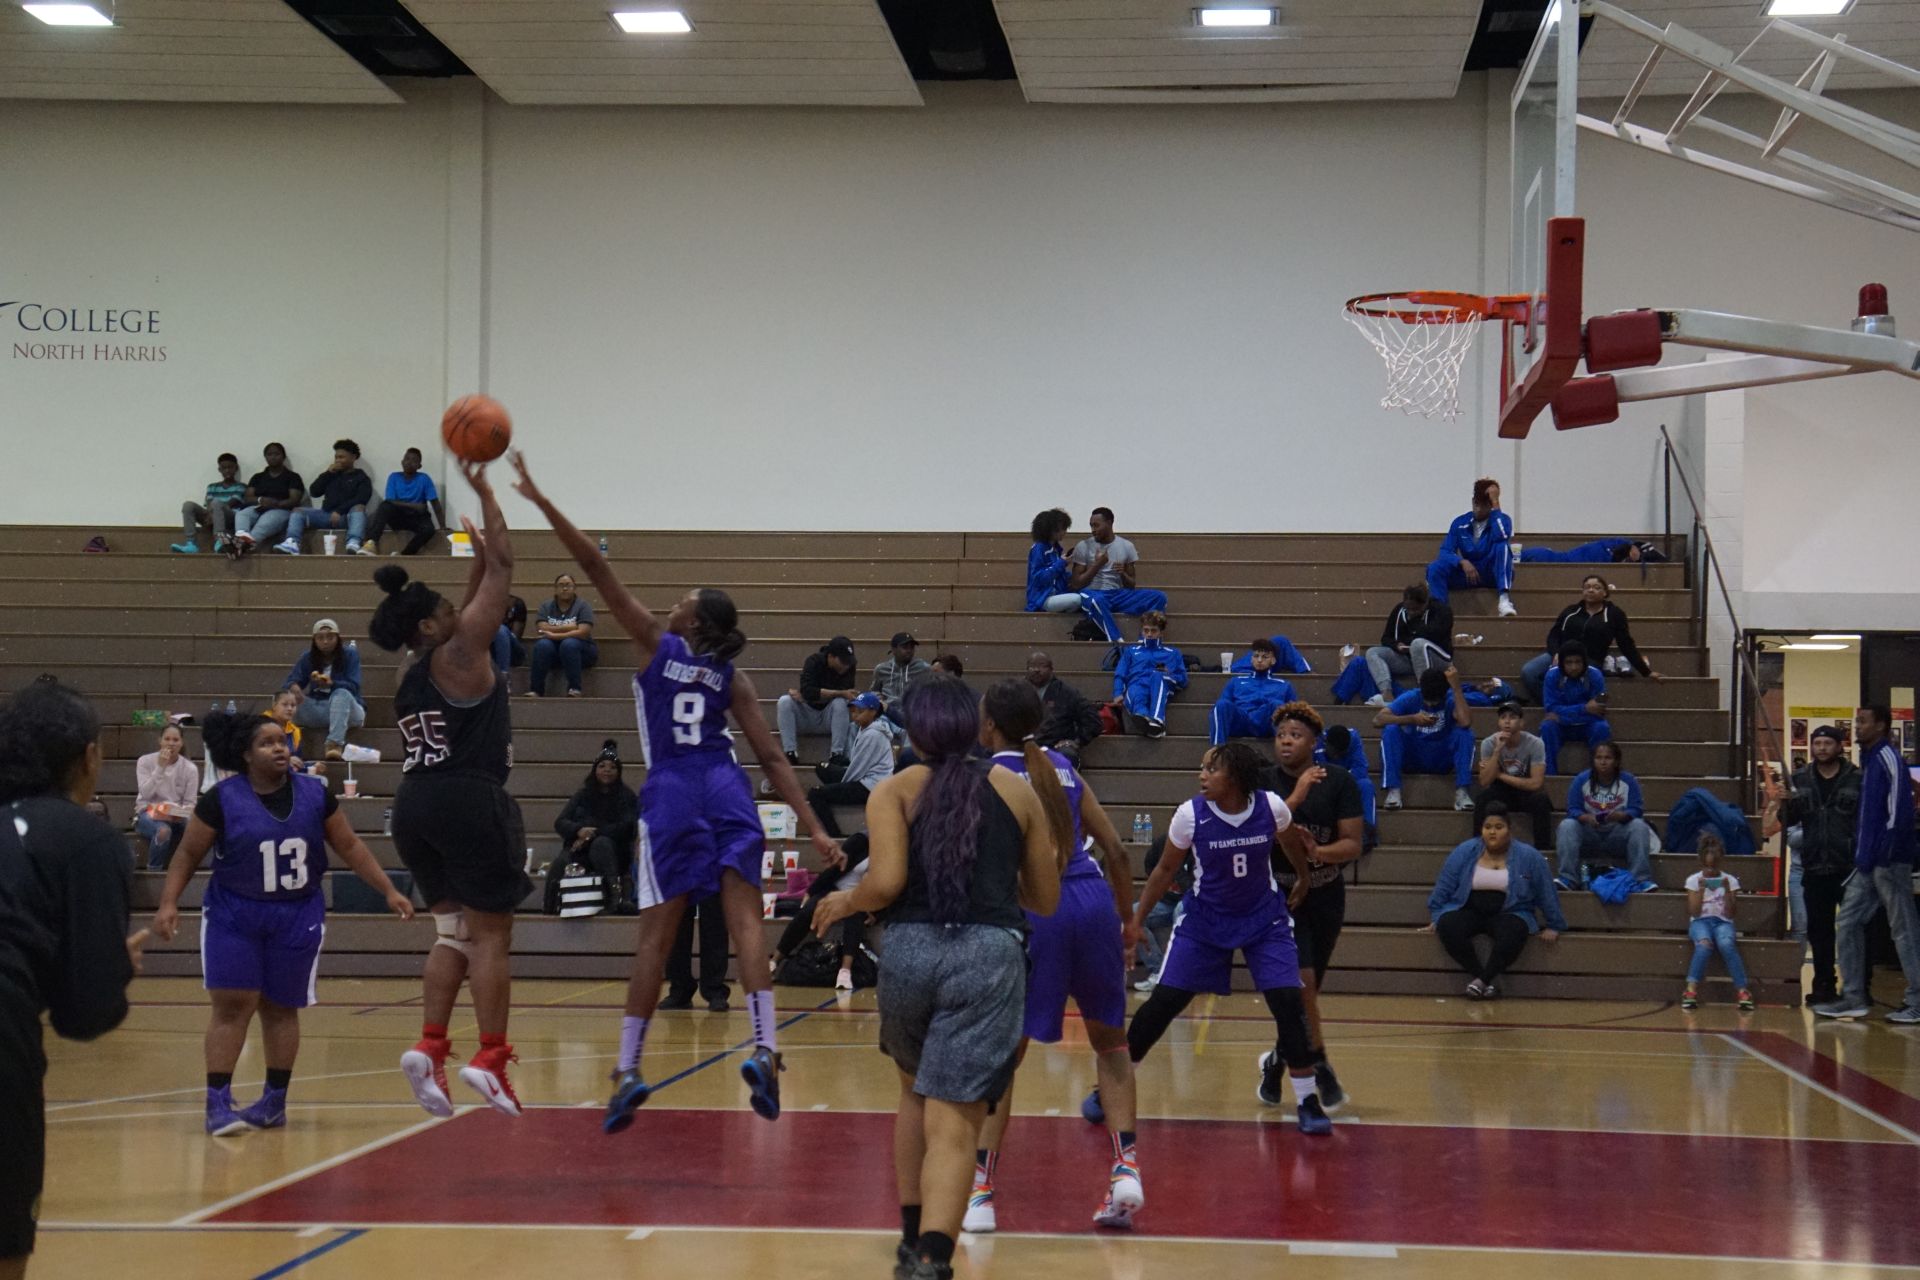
1105 565
1513 770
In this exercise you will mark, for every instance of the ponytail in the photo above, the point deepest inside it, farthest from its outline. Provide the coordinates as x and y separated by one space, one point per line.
716 625
1041 772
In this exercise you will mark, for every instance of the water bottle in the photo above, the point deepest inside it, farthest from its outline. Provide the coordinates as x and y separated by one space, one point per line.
215 708
386 822
603 544
1142 829
233 708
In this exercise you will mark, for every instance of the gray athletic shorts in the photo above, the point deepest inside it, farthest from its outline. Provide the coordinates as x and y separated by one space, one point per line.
952 999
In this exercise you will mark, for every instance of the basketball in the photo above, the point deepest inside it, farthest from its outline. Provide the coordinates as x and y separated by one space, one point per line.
476 428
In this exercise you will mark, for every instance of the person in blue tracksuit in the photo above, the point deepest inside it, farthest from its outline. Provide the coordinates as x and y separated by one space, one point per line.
1599 551
1476 551
1050 577
1249 699
1342 746
1148 675
1428 729
1491 692
1355 682
1576 703
1286 659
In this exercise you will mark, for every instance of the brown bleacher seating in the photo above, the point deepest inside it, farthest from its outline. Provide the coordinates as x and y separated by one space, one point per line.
140 628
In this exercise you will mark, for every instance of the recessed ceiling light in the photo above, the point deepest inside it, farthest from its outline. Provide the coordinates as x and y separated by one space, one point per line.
653 22
1236 17
1828 635
1802 644
68 15
1807 8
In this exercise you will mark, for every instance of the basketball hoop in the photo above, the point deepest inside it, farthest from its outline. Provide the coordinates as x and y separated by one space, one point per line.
1423 336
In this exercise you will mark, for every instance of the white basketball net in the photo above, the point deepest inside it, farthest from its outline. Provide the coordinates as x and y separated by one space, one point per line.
1423 356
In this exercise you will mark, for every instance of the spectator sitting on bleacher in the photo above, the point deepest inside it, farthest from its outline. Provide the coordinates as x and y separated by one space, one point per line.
224 497
1476 551
819 704
565 628
412 503
869 763
1599 551
1606 818
895 673
1425 731
1711 898
1342 746
168 784
1417 637
1513 771
1049 576
285 712
1105 565
1576 701
1495 885
1072 721
1287 660
329 674
508 650
598 827
1248 700
1598 624
344 491
1148 674
270 499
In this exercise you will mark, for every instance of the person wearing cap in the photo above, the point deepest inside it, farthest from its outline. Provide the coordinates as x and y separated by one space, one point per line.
1513 770
869 763
896 672
329 674
819 704
1824 804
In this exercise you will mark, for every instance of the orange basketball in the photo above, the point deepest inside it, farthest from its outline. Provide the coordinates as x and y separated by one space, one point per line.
476 428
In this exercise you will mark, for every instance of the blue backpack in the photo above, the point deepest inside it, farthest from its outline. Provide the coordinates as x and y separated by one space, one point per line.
1698 810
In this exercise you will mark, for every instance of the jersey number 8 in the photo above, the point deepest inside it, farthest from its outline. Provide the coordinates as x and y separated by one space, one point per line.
689 713
1239 865
294 878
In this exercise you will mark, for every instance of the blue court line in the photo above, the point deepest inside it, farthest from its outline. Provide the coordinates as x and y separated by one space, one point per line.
294 1263
728 1053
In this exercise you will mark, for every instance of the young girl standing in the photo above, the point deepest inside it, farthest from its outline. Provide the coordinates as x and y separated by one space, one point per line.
1710 897
263 918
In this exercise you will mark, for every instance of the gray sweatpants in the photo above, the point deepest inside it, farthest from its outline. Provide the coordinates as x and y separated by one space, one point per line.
952 999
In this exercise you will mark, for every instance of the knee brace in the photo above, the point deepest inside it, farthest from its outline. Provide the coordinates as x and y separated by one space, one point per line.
451 927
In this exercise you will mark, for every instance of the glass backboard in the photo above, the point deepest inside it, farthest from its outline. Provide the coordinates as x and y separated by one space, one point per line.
1545 126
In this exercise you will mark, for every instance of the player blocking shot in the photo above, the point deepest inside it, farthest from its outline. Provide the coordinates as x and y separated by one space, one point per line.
1081 950
700 830
263 919
1232 828
454 825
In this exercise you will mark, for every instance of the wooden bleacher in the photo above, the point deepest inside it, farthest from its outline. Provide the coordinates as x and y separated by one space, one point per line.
140 628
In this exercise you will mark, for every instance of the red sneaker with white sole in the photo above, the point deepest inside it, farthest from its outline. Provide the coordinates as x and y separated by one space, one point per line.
425 1066
486 1074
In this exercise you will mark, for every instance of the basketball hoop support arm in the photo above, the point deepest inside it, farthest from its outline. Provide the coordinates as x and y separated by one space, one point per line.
1772 351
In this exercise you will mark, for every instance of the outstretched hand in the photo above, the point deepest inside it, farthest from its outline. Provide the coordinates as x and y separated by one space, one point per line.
476 474
524 485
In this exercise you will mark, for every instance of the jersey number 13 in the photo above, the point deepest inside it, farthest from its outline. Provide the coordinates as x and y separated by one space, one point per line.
283 865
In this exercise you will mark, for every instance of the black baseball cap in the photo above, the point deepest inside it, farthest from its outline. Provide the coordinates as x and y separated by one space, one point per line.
901 637
840 647
1830 731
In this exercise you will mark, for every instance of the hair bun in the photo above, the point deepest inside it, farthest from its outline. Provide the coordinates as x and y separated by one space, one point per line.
609 745
391 578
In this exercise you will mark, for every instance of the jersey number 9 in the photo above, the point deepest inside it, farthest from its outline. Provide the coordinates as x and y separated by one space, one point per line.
689 713
294 877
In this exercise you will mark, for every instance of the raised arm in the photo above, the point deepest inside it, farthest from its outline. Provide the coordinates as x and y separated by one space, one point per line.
773 762
493 549
1462 709
635 618
886 876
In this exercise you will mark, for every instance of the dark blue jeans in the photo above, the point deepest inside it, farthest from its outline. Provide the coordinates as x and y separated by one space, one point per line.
575 656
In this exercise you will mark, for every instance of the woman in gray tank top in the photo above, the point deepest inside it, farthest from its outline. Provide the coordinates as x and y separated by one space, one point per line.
957 848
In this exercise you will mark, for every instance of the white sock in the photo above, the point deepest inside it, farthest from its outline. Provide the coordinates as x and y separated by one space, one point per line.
633 1034
760 1008
1303 1088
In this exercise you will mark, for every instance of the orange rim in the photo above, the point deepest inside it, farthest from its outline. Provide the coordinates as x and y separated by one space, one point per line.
1430 306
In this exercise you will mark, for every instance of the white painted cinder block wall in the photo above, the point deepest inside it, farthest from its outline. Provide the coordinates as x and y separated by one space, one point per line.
944 318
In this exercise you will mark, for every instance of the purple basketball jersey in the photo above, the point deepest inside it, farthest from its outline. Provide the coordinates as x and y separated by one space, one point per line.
268 858
1233 864
1080 864
681 700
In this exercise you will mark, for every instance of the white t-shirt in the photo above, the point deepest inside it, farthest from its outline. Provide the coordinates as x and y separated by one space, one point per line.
1494 878
1119 552
1713 902
1180 829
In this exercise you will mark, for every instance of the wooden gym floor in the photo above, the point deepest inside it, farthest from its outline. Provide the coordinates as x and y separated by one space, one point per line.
1587 1139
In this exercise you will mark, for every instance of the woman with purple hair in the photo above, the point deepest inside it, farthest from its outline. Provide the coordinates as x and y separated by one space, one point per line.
957 847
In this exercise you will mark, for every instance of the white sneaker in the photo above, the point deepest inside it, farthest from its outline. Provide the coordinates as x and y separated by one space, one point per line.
1125 1197
1346 652
980 1218
353 548
1377 700
1147 983
843 981
1391 800
1506 608
1462 799
287 547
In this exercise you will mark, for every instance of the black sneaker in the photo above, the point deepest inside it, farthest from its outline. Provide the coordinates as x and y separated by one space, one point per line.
1273 1074
836 761
1332 1096
925 1270
718 1005
675 1000
793 759
905 1259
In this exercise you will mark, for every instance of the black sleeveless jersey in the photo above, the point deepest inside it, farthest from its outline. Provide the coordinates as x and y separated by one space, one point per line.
443 737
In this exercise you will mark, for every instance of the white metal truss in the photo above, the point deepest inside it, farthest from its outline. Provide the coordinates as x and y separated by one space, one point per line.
1788 170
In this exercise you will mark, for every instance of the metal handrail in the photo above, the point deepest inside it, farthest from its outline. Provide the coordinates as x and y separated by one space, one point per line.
1743 665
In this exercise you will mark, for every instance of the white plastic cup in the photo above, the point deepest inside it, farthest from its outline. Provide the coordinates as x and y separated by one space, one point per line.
766 905
350 789
331 542
1226 659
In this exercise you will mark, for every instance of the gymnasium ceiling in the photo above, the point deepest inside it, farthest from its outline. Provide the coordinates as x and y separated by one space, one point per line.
851 52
